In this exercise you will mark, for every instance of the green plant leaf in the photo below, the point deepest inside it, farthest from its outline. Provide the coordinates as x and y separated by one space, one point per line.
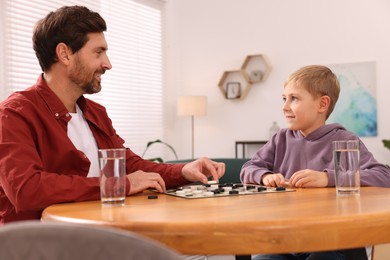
386 143
173 150
152 142
158 158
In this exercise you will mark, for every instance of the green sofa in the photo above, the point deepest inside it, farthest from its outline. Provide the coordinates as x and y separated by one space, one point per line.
233 168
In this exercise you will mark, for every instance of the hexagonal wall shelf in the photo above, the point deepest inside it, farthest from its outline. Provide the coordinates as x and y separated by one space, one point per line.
234 84
257 67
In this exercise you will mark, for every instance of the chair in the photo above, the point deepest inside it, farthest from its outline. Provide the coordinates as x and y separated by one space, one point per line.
233 168
34 240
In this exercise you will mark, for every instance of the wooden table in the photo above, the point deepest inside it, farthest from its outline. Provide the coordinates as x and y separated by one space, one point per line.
301 221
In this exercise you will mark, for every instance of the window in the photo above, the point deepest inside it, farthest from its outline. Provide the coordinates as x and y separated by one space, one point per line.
131 91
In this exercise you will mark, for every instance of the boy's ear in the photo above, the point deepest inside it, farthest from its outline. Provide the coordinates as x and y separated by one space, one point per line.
324 103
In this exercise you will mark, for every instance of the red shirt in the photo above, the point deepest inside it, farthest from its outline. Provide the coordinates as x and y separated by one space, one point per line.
40 166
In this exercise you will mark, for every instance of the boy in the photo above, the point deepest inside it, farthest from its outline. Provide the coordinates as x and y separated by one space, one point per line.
302 154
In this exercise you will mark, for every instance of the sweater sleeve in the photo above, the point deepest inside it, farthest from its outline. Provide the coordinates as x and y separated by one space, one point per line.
372 173
261 162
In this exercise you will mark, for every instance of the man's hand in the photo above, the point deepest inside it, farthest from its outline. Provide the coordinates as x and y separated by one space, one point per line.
141 181
201 169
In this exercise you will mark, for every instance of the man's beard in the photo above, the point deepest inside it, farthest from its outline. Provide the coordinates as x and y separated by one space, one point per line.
91 88
78 77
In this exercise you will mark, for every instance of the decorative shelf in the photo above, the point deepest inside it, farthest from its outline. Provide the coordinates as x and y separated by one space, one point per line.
256 67
234 84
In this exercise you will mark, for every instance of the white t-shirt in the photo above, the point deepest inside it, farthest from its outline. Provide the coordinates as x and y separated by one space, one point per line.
82 138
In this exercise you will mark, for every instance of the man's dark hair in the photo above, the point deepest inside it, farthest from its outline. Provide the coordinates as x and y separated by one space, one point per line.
69 25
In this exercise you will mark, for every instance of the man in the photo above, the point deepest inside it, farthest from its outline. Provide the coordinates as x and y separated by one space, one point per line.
50 133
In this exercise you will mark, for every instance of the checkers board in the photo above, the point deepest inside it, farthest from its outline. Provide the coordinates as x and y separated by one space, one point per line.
222 190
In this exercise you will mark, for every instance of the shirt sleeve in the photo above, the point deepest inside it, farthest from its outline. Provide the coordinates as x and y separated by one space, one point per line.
171 173
25 162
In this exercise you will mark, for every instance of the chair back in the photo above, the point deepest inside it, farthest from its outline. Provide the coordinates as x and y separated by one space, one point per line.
34 240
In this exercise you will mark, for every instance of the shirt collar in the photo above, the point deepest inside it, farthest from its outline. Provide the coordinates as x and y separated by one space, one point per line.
55 105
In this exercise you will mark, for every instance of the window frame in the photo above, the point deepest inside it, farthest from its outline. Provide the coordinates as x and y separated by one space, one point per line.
154 130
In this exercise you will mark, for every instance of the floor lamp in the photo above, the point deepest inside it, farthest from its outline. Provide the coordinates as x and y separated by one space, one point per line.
192 106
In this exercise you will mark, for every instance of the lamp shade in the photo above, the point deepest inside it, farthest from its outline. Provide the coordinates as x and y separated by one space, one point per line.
192 106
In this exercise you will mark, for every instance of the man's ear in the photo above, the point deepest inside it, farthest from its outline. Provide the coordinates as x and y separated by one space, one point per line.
324 104
63 53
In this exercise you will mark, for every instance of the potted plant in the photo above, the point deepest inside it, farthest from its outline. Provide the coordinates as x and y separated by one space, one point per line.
158 159
386 143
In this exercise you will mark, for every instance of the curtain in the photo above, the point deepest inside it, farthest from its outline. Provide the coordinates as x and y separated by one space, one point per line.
132 90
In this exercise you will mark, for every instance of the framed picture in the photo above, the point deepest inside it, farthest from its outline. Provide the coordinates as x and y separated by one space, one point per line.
233 90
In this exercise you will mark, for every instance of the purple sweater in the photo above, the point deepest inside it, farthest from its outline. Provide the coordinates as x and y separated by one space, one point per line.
288 152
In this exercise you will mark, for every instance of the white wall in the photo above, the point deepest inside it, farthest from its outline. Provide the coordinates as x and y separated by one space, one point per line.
207 37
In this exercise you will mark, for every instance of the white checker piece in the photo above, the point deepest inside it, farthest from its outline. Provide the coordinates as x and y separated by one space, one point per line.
222 190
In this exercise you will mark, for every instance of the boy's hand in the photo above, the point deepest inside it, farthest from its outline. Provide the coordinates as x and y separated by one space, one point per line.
273 180
308 179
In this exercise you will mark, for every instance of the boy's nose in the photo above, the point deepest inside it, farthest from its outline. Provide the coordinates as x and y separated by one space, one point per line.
285 106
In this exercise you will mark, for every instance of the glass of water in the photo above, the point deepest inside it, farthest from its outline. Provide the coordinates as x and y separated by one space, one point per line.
112 163
346 157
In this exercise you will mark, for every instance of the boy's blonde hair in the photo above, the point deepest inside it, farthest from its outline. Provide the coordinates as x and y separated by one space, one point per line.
318 81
